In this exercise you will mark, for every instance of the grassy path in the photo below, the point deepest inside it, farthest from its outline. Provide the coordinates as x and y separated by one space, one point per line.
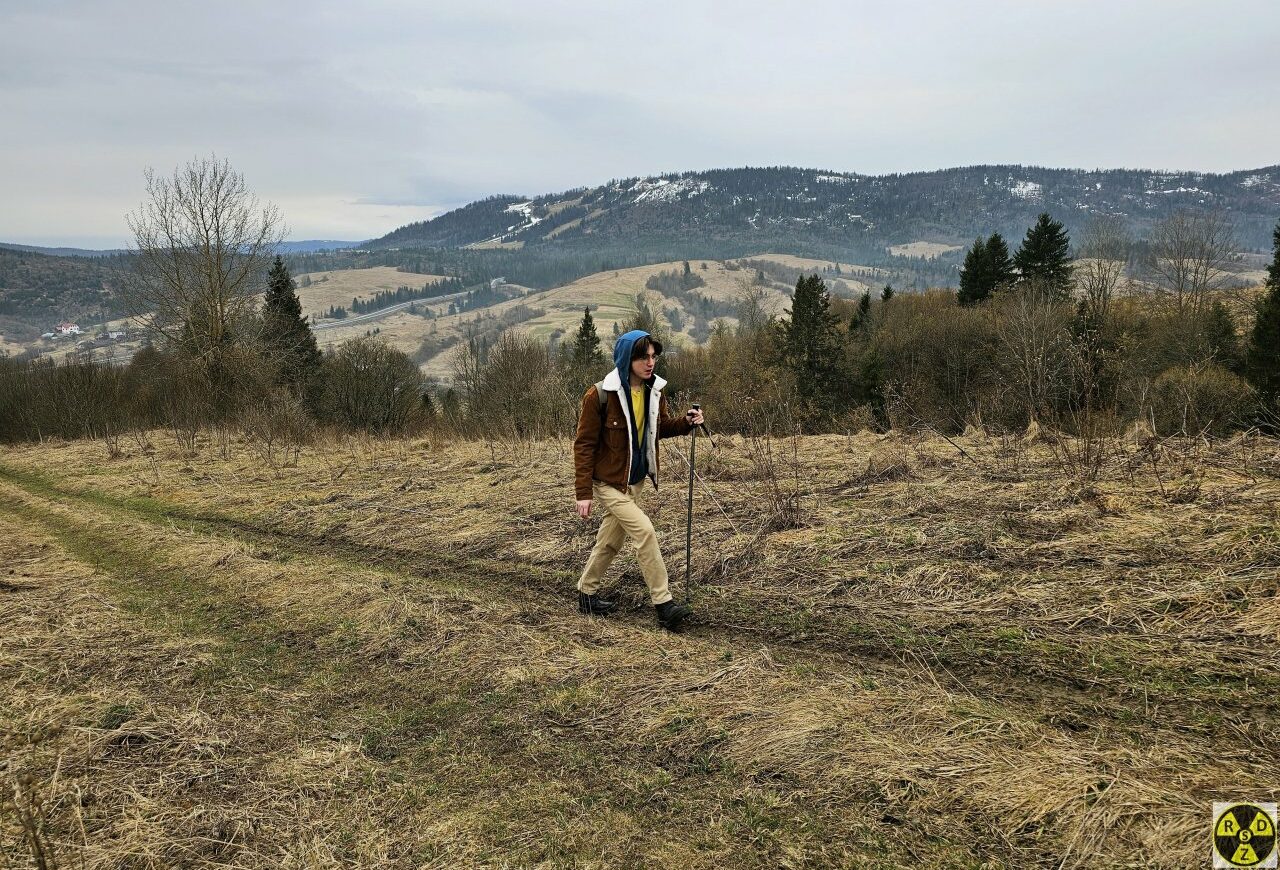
1068 677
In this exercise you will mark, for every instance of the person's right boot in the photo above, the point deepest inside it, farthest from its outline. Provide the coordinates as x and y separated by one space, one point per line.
671 614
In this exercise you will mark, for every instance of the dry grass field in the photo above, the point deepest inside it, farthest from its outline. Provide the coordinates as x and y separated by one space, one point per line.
402 330
908 651
339 287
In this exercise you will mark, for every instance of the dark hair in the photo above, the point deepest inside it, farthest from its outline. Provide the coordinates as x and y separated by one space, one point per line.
643 344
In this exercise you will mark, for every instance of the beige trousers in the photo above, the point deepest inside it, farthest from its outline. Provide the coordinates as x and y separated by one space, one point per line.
623 519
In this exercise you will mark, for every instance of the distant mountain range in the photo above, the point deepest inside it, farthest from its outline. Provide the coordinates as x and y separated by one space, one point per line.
770 208
61 252
304 247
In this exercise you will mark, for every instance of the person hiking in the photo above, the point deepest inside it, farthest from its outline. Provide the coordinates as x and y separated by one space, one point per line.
615 448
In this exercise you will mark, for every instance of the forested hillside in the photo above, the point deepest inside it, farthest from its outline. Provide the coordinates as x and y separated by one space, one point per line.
719 212
37 288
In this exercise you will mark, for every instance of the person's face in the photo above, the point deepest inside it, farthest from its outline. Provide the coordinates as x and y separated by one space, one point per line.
642 368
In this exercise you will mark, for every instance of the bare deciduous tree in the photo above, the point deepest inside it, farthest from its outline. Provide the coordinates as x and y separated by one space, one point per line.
518 390
1104 251
1192 253
1032 331
467 362
202 244
751 302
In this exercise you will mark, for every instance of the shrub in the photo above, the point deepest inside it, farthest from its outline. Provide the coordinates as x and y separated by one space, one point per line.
1196 399
936 361
277 423
518 390
369 385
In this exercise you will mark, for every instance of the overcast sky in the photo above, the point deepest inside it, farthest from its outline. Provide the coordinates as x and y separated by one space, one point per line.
358 118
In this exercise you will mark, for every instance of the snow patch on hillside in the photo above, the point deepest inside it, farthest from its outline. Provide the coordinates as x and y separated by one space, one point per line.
666 190
523 210
1026 190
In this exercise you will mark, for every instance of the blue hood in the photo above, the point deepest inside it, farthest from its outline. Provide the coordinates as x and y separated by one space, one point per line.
622 360
622 354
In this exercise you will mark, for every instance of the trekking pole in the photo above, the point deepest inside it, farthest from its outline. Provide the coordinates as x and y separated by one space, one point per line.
688 532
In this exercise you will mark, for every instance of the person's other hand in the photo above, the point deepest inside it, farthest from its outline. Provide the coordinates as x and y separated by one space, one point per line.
695 416
584 508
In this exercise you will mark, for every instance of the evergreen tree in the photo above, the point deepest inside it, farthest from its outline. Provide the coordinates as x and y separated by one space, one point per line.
887 293
1044 258
973 274
285 331
809 344
862 313
586 344
1262 358
986 269
999 262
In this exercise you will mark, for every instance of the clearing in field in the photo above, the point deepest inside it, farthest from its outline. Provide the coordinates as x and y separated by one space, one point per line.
849 271
908 651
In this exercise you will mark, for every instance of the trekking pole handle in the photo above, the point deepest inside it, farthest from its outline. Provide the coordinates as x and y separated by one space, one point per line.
703 426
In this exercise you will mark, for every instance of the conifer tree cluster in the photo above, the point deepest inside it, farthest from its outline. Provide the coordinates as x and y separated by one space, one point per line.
1042 261
987 268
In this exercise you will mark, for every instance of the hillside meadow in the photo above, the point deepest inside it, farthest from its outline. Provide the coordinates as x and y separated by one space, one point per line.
908 650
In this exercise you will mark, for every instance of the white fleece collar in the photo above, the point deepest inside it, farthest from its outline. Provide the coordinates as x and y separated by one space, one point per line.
613 381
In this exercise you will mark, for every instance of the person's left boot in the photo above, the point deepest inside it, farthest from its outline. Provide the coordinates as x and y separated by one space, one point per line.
594 605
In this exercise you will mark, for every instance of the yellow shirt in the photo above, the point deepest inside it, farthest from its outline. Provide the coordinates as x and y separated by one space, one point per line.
637 412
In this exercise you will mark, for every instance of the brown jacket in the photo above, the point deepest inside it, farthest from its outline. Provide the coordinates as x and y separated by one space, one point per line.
604 453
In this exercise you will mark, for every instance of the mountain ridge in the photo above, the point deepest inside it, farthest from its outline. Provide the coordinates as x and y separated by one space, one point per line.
863 212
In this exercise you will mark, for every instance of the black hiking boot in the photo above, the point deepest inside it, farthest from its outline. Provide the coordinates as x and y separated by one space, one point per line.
671 614
594 605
